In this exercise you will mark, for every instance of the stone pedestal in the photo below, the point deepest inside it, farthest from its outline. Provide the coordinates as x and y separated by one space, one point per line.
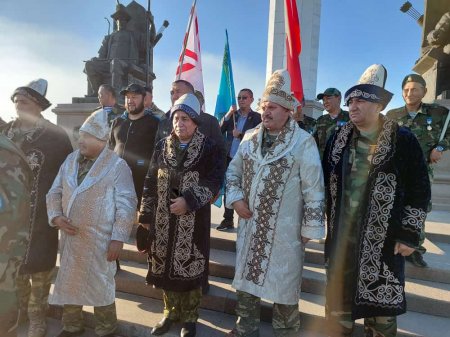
309 16
70 116
441 183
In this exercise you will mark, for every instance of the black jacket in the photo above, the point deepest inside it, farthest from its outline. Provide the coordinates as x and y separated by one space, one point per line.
134 140
226 127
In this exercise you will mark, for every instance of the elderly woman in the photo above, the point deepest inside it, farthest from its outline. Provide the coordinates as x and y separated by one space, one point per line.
185 173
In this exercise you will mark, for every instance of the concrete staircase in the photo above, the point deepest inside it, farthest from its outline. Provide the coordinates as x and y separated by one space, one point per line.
428 290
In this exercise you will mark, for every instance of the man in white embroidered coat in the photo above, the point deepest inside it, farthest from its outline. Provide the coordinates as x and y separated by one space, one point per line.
275 184
93 202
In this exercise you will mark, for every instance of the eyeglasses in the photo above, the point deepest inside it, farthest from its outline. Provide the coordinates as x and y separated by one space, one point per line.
242 97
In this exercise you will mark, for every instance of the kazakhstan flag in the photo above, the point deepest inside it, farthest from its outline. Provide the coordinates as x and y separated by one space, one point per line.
226 96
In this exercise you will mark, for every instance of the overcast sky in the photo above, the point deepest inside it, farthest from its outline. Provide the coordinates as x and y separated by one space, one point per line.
51 39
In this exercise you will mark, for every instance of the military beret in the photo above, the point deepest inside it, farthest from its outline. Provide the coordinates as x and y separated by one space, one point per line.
414 78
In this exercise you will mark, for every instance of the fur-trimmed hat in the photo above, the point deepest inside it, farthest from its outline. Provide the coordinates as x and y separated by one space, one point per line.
370 86
189 104
97 125
36 91
278 90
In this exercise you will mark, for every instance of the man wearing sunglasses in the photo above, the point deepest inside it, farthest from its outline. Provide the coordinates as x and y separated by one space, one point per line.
234 125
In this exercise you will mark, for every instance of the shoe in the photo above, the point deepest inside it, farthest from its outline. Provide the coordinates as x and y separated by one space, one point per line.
162 327
189 329
417 259
225 225
65 333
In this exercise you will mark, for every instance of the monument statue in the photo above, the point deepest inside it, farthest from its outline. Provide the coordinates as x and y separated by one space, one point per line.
126 55
434 62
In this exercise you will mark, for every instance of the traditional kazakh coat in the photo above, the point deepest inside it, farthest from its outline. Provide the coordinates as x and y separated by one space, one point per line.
179 244
285 191
46 146
103 208
393 210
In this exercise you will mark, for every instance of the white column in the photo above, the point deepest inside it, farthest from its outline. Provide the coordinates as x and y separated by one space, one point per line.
309 15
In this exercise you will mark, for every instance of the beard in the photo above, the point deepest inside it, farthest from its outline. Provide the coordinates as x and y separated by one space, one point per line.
138 109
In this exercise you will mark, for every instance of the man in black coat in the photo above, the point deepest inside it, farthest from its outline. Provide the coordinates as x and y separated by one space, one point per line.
234 125
46 146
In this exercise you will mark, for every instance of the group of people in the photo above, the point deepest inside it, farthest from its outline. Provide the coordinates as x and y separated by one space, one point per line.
365 174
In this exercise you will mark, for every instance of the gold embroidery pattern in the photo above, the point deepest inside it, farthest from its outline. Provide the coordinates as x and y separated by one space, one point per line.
194 149
161 224
258 256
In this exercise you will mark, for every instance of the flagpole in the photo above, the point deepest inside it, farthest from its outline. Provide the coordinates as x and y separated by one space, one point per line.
147 42
185 40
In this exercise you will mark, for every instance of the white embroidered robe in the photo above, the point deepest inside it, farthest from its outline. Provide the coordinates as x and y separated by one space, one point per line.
103 208
285 191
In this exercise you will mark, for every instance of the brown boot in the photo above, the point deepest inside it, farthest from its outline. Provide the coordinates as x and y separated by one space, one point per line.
38 325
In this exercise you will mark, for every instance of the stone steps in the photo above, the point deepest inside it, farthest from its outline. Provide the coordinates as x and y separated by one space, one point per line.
222 299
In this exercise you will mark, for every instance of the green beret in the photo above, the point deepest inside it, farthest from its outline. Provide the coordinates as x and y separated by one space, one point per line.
414 78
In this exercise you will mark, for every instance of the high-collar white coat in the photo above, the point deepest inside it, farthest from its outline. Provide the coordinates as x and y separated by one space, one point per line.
285 191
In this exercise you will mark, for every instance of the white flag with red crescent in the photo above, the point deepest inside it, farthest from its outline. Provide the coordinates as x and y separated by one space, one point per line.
190 62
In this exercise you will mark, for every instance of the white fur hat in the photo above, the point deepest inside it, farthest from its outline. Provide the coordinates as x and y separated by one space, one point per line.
278 90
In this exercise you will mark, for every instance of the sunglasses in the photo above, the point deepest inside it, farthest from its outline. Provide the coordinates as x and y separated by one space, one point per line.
242 97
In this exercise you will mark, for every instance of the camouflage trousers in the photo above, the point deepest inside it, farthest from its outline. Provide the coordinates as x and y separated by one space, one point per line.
32 292
340 324
285 320
182 306
9 268
105 319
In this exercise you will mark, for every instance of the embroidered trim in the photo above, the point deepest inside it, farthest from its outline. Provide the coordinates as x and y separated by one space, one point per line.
341 141
258 256
161 224
35 159
333 197
313 213
414 219
248 175
377 285
384 144
360 93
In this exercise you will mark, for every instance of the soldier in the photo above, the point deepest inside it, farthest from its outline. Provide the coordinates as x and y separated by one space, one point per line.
150 106
335 117
304 121
15 178
429 123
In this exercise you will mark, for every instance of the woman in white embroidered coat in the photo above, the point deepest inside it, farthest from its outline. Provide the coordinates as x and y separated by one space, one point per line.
93 202
277 176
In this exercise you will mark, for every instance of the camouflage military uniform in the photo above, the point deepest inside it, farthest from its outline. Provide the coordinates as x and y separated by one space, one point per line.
15 180
361 151
308 124
427 127
285 320
325 126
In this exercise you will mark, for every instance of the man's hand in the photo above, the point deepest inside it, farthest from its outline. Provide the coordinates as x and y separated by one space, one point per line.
403 249
435 156
230 112
236 133
115 247
242 209
179 206
64 224
305 240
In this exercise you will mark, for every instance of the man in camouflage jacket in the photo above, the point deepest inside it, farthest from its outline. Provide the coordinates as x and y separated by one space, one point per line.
15 178
428 123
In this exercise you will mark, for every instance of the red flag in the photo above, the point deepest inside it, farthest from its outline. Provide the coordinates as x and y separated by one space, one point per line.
293 48
190 63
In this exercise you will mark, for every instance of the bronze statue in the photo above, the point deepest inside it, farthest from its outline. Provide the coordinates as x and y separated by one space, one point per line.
122 57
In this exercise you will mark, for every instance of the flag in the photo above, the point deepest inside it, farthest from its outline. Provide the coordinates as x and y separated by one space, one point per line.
190 63
293 48
226 96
